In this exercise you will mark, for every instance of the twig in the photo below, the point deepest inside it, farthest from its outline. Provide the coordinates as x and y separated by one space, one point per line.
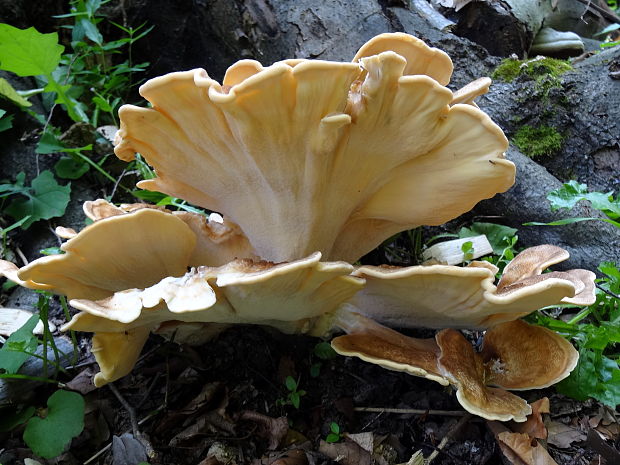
21 255
130 410
607 291
602 11
455 429
413 411
105 448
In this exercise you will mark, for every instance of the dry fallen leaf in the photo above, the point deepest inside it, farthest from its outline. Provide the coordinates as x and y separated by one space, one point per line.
534 426
292 457
345 453
562 436
272 429
520 449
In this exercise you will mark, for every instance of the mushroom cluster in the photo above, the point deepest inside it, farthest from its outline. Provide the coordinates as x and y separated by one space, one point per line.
309 165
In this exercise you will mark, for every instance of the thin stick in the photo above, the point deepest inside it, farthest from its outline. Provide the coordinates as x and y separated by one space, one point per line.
448 437
105 448
130 410
413 411
606 291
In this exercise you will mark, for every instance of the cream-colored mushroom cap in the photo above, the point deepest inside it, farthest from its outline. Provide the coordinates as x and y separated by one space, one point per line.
310 155
440 296
242 291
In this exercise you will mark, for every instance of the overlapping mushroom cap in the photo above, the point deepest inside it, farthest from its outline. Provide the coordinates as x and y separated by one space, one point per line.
310 155
127 272
515 355
441 296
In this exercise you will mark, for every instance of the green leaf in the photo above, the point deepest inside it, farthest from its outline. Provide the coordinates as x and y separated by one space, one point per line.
9 421
331 437
12 355
6 122
69 168
49 143
102 104
573 192
91 31
334 427
295 399
315 369
8 92
48 437
51 251
290 383
595 376
27 52
498 235
324 351
47 199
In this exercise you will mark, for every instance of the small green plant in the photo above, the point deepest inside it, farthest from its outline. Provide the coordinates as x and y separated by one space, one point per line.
50 431
294 393
572 192
595 330
468 250
43 199
334 435
86 80
538 141
323 351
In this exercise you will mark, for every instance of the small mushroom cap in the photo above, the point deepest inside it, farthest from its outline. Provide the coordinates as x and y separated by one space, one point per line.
117 353
463 367
523 356
301 166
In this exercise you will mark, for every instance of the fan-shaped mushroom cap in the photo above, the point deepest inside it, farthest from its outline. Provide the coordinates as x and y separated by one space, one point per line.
515 355
131 250
463 367
440 296
374 343
303 166
241 291
523 356
116 253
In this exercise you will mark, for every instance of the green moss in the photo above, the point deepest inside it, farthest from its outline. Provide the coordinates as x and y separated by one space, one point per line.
537 68
539 141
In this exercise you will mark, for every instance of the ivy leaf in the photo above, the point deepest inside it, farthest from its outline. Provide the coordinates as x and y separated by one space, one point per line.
27 52
8 92
48 437
12 353
46 199
573 192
